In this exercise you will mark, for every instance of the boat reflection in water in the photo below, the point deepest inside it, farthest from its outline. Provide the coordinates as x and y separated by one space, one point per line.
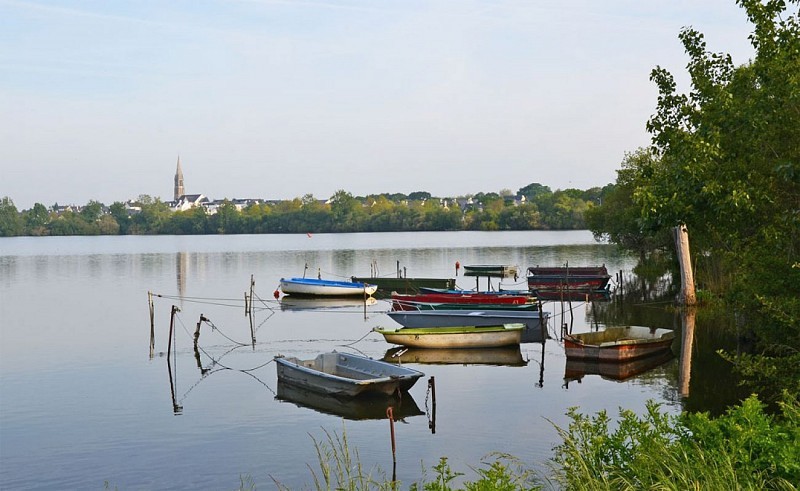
578 368
354 408
509 356
290 302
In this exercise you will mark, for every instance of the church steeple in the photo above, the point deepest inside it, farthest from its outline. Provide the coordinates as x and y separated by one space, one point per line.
179 191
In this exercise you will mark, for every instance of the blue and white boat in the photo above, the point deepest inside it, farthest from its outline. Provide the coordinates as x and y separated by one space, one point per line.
313 287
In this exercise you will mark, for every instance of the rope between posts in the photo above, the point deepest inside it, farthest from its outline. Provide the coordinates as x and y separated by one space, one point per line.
215 328
357 340
217 362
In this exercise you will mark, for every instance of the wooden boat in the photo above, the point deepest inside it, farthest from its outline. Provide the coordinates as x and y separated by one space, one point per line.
491 270
534 322
354 408
325 288
618 344
454 337
506 356
461 297
577 368
403 305
585 278
346 375
405 285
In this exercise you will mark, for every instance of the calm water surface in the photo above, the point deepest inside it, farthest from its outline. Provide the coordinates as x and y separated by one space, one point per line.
83 403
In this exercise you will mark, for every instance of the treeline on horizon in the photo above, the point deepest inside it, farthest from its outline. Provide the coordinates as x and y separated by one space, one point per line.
533 207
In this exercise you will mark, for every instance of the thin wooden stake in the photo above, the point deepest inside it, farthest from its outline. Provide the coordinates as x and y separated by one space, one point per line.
390 415
152 323
171 328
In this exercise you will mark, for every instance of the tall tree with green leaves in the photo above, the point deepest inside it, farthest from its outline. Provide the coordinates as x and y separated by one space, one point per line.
728 166
10 220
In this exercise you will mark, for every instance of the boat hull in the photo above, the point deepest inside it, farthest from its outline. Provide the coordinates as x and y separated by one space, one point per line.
412 306
406 285
345 375
462 298
618 344
325 288
582 278
534 322
490 270
455 337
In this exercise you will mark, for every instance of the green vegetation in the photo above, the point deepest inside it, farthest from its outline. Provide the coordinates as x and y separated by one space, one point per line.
743 449
725 161
746 448
534 207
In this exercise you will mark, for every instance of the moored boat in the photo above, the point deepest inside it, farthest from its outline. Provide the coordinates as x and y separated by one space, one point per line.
412 305
582 278
325 288
534 321
618 344
461 297
454 337
386 285
346 375
491 270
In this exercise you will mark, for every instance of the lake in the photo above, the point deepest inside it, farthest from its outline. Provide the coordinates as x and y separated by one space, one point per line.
83 404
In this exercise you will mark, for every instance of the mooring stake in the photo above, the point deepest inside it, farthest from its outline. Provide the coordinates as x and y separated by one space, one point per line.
390 415
152 323
171 327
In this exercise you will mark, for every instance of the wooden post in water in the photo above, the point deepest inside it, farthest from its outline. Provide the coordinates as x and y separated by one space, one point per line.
252 288
390 415
152 323
687 295
171 328
432 419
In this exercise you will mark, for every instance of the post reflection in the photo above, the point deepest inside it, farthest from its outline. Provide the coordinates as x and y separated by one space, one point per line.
687 342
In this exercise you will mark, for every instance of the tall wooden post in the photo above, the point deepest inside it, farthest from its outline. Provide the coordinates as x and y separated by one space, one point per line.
687 295
152 323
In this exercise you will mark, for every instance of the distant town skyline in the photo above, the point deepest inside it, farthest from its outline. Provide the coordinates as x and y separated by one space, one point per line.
277 99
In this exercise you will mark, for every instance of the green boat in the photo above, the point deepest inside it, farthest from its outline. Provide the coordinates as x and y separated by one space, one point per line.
491 270
405 285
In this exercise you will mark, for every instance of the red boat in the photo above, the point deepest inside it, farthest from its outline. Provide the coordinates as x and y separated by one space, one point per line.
401 301
568 279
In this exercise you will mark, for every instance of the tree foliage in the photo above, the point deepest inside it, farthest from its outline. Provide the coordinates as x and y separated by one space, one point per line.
725 161
533 207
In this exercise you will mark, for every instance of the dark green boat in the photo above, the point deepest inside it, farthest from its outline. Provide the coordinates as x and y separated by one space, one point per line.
388 285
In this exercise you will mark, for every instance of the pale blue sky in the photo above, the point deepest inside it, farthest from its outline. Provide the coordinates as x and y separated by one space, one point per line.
276 99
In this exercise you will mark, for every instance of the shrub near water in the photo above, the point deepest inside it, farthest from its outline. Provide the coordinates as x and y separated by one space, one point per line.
744 449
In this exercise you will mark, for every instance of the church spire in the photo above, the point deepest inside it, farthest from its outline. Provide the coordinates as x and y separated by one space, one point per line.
179 191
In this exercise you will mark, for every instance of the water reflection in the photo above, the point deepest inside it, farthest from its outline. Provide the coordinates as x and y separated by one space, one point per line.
687 342
353 408
508 356
289 302
577 369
